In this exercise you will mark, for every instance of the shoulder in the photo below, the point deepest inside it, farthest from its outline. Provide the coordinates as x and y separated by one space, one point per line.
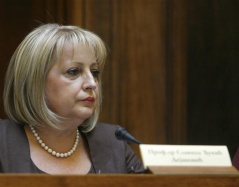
7 125
15 153
4 122
9 131
105 128
103 132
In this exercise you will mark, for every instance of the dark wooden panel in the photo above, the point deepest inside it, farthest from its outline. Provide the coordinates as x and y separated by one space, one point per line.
213 78
176 71
14 25
142 70
53 11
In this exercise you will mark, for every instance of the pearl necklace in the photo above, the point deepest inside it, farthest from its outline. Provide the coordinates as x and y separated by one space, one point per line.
52 152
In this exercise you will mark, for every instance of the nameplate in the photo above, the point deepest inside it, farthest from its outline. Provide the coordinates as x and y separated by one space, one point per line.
184 155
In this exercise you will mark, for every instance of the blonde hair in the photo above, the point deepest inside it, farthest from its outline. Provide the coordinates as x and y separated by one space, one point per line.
24 90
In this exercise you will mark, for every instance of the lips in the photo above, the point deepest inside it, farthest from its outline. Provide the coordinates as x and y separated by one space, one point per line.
89 99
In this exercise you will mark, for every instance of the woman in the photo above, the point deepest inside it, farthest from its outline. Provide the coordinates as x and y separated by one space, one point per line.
52 96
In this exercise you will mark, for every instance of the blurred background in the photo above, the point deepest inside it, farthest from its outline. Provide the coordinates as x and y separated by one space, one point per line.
171 75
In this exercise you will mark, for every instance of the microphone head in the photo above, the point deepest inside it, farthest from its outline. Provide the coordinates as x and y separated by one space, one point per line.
122 134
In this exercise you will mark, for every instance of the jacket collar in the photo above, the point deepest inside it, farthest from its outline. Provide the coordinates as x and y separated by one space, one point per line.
99 150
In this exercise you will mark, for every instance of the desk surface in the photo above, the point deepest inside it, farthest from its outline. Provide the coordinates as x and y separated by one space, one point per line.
103 180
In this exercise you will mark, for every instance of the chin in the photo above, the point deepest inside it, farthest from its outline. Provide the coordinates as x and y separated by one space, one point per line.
85 115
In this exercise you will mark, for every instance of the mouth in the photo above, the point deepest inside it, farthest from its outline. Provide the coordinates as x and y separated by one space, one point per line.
89 99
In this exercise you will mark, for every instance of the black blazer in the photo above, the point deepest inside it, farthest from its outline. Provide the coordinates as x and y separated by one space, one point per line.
108 155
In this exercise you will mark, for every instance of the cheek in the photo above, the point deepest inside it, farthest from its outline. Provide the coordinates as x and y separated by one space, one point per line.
52 88
56 90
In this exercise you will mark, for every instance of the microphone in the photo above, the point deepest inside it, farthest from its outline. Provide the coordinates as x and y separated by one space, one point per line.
122 134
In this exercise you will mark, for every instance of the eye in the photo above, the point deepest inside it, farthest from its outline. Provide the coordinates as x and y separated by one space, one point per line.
73 71
95 73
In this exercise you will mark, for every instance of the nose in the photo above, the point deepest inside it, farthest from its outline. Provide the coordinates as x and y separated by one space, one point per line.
89 81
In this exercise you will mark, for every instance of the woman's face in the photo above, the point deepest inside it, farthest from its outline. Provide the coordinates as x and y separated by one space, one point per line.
72 84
